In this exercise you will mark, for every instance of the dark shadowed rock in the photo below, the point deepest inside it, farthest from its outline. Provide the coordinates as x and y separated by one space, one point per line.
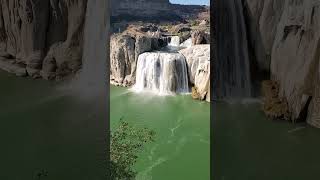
40 33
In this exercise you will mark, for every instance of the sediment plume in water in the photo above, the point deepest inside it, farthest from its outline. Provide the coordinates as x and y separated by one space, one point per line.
161 73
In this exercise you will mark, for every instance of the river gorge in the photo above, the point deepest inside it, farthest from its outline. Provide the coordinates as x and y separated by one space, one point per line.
264 106
160 76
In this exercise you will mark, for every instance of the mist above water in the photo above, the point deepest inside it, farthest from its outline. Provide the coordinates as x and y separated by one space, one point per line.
91 81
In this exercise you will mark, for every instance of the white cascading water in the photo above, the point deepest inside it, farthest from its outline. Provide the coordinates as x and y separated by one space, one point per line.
232 78
175 41
161 73
187 43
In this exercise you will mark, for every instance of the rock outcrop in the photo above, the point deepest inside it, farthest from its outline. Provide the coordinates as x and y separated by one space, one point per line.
198 61
124 53
200 37
284 37
43 36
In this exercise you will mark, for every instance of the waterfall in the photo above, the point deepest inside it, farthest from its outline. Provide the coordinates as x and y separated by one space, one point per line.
175 41
161 73
232 68
92 78
187 43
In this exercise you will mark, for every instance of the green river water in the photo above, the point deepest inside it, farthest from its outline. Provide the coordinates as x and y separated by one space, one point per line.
181 150
46 131
248 146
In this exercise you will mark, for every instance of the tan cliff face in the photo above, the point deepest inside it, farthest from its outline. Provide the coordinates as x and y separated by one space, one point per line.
285 38
43 36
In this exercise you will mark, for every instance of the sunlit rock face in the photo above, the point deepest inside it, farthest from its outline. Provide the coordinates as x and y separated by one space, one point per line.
161 73
198 62
124 53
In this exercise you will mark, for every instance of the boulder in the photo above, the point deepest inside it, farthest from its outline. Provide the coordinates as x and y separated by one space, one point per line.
124 53
200 37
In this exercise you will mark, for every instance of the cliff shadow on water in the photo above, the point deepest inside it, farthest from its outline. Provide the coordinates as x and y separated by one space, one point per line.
59 129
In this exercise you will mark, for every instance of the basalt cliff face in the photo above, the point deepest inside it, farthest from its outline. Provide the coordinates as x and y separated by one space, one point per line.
151 10
284 40
41 38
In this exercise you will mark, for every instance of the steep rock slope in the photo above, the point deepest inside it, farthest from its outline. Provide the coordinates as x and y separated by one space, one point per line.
42 36
285 37
124 52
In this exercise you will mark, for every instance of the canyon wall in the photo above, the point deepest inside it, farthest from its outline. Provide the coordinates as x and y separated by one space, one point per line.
142 7
41 38
284 37
151 10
